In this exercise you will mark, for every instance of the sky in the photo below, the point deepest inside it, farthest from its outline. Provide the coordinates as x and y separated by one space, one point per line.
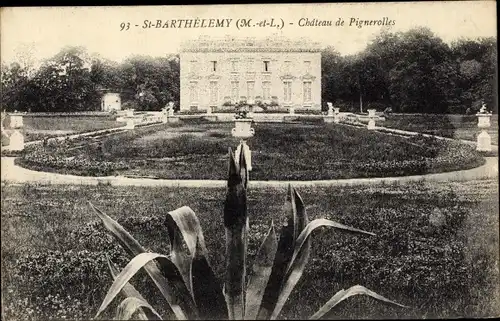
47 30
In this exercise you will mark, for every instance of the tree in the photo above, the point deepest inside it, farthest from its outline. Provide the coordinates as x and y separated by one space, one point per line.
14 83
477 79
423 77
155 81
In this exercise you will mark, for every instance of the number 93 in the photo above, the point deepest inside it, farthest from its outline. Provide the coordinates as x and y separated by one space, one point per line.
124 26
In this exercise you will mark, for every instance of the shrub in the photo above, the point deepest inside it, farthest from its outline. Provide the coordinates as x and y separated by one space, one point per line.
187 281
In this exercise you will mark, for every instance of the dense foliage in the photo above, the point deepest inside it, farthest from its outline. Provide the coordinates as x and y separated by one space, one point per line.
435 249
413 71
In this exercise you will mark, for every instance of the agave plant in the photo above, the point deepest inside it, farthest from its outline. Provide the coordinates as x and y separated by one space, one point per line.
185 277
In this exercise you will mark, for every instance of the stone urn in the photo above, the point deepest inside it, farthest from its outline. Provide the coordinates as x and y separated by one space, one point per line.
243 128
129 113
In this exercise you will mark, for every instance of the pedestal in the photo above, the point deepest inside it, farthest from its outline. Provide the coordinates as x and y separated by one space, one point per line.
129 113
130 123
371 124
291 111
483 142
242 128
16 141
483 139
336 115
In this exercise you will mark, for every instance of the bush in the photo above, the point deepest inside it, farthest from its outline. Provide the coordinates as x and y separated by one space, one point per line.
130 104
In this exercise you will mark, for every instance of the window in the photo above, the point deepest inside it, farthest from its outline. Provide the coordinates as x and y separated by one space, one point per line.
286 66
287 91
234 65
214 66
266 90
250 90
214 92
193 92
307 66
250 64
192 65
307 91
267 65
235 90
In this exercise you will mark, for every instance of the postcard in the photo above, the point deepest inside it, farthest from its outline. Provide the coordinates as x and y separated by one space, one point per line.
250 161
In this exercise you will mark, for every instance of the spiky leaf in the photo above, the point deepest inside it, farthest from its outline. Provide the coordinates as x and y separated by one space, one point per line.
128 307
262 268
299 259
296 221
183 307
343 294
128 290
184 227
236 223
137 263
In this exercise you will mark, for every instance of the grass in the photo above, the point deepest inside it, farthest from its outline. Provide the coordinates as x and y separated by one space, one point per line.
436 248
452 126
297 151
39 127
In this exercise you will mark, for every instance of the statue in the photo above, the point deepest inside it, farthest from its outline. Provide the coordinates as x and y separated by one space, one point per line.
330 108
483 109
170 108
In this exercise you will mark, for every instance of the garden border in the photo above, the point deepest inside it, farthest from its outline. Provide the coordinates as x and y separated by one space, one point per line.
12 173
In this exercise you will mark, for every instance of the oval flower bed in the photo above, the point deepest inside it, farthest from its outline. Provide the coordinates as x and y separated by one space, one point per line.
279 152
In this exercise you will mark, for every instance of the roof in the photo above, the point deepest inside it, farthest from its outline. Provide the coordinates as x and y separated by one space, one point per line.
249 44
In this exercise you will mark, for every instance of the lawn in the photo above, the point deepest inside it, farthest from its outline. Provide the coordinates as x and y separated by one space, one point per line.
452 126
436 248
298 151
39 127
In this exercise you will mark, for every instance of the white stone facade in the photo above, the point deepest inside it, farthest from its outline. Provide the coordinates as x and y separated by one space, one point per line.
215 71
